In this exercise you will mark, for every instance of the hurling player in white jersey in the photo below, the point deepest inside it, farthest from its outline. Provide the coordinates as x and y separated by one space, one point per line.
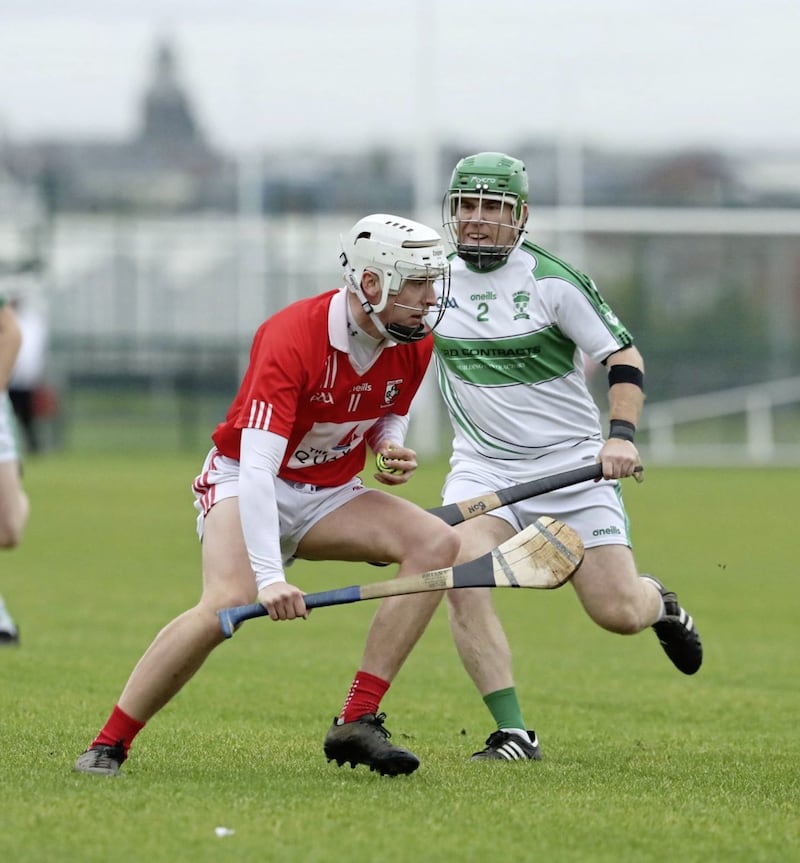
509 356
13 500
328 376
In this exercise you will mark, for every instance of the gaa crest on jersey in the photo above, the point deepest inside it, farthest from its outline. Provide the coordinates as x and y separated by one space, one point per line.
521 300
391 392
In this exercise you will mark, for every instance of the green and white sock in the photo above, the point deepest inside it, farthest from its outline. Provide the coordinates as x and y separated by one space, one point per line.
504 706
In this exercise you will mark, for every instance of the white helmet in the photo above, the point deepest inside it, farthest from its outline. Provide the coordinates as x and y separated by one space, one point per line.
393 249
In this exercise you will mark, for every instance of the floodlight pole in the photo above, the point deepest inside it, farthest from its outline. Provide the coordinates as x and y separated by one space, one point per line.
426 132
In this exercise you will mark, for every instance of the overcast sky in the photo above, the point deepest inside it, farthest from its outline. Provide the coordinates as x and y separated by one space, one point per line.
631 73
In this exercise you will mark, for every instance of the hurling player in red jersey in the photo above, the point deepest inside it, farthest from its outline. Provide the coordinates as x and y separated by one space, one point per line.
328 377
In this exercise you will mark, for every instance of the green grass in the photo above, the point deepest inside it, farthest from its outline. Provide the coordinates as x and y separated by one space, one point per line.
641 763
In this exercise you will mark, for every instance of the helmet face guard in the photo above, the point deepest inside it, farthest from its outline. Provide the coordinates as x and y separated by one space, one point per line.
482 178
395 250
439 274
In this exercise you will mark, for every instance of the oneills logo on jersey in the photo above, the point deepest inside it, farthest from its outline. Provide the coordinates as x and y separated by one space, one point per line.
391 392
260 414
355 396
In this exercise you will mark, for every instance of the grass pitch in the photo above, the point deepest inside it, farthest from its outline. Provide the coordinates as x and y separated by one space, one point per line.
640 763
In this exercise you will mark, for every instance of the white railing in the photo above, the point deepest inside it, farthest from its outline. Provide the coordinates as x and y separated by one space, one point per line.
212 279
756 404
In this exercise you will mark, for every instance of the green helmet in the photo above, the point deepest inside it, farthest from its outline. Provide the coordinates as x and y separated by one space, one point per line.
487 176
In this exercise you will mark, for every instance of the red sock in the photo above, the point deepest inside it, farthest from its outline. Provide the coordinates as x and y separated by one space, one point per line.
119 728
364 696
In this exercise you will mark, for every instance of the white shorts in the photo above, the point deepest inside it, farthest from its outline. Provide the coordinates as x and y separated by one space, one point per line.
8 430
594 510
300 505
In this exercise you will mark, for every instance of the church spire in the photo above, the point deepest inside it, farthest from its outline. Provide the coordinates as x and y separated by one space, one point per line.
167 115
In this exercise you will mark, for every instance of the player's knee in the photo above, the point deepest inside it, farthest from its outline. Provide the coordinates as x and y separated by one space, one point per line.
226 596
444 547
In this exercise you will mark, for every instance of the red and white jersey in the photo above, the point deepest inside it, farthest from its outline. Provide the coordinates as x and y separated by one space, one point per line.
301 385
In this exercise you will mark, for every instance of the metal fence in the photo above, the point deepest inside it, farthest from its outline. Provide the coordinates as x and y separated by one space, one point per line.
164 310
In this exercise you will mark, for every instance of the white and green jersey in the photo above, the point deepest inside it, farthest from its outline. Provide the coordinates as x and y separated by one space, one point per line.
508 356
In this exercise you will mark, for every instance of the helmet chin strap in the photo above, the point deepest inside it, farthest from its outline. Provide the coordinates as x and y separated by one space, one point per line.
402 333
366 305
393 332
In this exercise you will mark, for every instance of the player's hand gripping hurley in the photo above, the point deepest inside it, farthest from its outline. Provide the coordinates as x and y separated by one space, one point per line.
455 513
544 556
522 561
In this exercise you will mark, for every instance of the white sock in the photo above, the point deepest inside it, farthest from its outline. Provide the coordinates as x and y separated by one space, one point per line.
662 612
520 732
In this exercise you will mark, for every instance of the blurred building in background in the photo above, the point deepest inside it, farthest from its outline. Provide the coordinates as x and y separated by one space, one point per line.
157 256
165 166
